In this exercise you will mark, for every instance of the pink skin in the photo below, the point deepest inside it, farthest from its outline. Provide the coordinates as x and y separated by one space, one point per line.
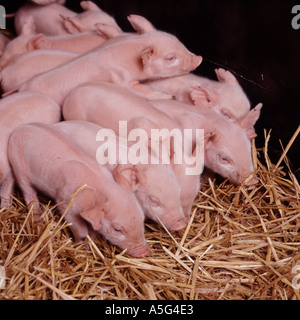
80 42
60 170
29 40
225 96
43 2
14 111
55 19
144 56
228 145
19 44
155 186
27 65
93 102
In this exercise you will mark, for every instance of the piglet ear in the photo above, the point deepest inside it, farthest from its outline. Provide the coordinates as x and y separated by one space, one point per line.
202 97
127 176
140 24
146 55
251 133
106 31
209 136
250 119
89 6
39 41
71 25
226 76
94 216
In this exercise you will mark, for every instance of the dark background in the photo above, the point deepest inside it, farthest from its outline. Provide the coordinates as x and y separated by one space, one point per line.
254 39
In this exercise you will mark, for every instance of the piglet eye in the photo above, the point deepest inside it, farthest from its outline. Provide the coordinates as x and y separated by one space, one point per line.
170 57
117 229
224 159
227 113
154 201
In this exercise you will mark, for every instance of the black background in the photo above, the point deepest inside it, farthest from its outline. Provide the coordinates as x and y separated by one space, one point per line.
254 39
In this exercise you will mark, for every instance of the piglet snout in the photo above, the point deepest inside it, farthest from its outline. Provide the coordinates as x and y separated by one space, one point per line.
252 182
180 224
138 252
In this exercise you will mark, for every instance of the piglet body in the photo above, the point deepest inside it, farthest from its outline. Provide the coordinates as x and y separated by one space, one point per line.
144 56
225 96
60 170
27 65
16 110
80 43
154 185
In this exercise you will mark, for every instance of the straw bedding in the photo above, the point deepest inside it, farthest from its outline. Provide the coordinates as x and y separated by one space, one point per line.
239 244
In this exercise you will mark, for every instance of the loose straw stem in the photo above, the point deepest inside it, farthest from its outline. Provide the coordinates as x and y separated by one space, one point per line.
288 147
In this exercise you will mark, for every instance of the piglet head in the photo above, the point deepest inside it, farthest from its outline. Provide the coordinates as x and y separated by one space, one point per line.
228 148
165 56
168 58
120 220
226 97
157 190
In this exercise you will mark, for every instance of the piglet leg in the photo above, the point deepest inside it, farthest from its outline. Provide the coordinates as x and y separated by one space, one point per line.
7 188
77 225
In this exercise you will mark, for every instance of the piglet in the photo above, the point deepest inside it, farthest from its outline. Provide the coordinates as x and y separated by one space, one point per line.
154 185
27 65
27 42
44 159
15 110
148 55
79 42
55 19
225 96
